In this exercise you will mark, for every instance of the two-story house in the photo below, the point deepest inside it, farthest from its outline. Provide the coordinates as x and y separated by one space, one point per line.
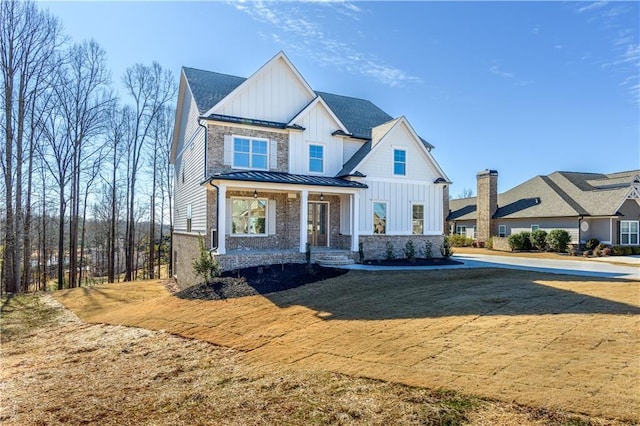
265 165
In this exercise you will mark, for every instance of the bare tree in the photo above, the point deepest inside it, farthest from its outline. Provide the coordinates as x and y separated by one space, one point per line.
28 41
151 88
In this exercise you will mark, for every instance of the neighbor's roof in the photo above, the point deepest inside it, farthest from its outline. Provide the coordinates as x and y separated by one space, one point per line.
358 115
560 194
286 178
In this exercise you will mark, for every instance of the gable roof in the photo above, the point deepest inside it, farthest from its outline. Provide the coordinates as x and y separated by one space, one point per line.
559 194
359 116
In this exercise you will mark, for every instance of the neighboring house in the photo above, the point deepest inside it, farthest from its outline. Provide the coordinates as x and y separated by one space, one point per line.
265 165
587 205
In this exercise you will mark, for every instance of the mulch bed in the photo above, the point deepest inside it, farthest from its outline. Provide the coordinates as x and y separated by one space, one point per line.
273 278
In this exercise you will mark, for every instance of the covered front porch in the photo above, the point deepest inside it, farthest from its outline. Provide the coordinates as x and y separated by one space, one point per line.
278 219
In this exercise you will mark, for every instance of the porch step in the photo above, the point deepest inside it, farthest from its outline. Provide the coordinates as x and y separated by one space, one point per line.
334 260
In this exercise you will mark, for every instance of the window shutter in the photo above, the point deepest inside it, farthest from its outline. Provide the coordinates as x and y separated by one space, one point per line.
228 150
273 154
228 205
271 217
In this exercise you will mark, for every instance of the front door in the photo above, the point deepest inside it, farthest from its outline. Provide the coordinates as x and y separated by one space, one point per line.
318 224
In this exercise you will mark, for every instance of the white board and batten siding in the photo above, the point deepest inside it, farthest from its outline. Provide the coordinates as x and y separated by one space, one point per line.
318 125
401 192
190 159
274 93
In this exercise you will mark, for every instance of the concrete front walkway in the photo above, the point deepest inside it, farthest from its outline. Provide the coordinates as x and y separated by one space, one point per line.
570 267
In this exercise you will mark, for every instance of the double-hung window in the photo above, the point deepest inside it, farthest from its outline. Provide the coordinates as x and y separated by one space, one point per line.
316 158
379 218
248 216
250 153
502 230
629 232
399 162
461 229
417 219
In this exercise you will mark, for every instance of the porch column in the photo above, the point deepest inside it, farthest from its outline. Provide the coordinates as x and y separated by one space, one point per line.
222 218
304 212
355 220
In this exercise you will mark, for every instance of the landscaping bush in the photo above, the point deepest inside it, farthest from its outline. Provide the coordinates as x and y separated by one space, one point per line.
617 251
628 251
592 243
519 241
457 240
445 249
602 246
538 239
636 250
409 250
489 243
206 266
586 253
606 251
558 239
428 249
388 251
572 250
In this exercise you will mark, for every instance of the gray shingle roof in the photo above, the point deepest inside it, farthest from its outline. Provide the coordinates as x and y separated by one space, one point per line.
560 194
209 88
287 178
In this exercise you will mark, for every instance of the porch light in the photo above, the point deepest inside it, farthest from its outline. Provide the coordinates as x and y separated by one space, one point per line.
255 194
321 196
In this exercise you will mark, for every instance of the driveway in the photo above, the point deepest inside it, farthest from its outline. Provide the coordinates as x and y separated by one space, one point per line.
542 340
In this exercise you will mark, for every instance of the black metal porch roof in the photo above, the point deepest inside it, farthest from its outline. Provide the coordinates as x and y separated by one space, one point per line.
286 178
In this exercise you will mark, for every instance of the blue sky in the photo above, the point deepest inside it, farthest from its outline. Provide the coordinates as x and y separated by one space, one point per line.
525 88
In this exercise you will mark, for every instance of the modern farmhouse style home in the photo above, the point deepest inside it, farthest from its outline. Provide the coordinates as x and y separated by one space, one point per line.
265 167
587 205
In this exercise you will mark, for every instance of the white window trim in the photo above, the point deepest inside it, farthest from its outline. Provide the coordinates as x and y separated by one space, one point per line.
266 218
459 227
537 227
424 210
250 138
393 162
637 233
324 156
386 219
505 230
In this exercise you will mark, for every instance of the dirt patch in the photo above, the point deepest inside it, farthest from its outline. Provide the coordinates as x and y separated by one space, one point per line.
554 342
259 280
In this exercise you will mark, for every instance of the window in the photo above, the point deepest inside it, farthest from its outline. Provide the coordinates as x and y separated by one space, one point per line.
250 153
182 175
316 158
475 232
535 227
379 218
188 217
399 162
417 219
249 216
629 232
461 229
502 231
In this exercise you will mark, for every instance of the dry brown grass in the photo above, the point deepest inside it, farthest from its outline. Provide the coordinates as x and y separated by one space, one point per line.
541 340
60 371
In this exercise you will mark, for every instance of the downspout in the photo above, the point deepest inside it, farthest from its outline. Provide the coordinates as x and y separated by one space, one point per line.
579 229
206 149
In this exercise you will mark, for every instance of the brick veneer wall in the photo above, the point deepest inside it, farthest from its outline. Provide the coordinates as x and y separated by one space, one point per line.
215 146
487 204
374 246
233 261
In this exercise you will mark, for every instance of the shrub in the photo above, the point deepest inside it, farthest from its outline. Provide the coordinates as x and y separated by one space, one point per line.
606 251
636 250
519 241
572 250
206 266
617 251
361 252
457 240
307 253
388 251
409 250
597 252
592 243
489 243
558 239
428 249
602 246
445 249
628 251
586 253
538 239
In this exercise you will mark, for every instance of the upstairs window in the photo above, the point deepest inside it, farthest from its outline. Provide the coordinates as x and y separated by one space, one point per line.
316 158
250 153
399 162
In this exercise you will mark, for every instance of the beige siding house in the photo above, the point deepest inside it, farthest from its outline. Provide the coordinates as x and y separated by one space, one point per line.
587 205
265 166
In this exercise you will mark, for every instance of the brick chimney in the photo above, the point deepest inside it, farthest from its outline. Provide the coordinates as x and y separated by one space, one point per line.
487 204
446 209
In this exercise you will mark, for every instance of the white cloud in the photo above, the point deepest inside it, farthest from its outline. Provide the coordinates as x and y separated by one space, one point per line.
497 71
592 6
294 30
558 46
